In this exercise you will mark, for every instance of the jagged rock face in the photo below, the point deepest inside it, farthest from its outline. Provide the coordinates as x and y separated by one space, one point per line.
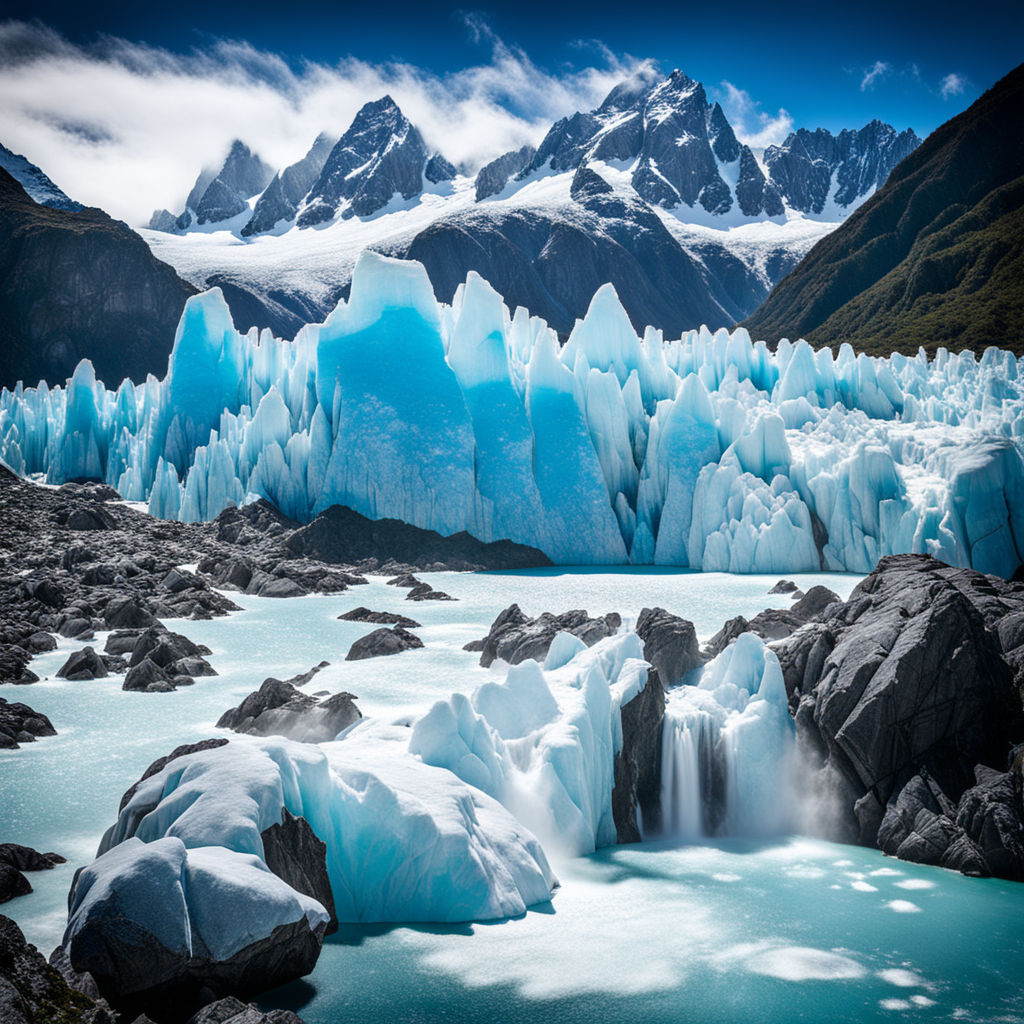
911 678
31 991
294 852
20 724
514 636
638 763
281 198
243 175
493 177
438 170
381 154
804 165
76 284
678 140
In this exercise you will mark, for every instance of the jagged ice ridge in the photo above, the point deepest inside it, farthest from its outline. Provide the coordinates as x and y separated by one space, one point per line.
709 451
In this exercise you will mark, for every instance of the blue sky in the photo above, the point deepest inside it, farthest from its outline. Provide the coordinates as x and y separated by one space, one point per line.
815 60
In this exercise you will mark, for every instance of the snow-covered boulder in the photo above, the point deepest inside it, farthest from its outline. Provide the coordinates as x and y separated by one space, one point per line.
158 923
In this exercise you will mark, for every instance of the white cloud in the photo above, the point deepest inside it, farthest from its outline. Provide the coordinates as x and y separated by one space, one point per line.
751 124
952 85
873 73
128 127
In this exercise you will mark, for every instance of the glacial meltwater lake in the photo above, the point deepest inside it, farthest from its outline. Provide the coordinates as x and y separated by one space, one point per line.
786 929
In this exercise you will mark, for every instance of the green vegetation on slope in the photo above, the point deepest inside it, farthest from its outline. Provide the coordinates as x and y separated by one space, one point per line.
934 258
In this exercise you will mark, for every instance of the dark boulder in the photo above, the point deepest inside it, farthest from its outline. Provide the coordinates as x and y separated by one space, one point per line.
670 644
83 664
384 618
783 587
136 925
20 724
14 665
514 636
94 518
278 709
127 612
382 642
147 677
12 883
425 592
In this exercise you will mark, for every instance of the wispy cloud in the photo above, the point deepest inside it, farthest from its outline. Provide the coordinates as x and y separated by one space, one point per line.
952 85
128 127
871 75
751 124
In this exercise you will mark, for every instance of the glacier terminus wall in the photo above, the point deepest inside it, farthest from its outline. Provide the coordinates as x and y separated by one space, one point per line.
708 451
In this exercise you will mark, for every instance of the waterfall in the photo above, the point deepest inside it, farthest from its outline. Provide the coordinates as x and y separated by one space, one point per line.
728 748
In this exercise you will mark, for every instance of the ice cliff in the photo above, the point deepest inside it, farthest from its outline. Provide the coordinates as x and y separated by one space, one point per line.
708 451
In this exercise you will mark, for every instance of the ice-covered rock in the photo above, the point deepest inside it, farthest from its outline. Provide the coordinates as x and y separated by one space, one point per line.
708 451
158 922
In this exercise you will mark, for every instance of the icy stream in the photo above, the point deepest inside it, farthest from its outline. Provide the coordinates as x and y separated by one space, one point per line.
746 928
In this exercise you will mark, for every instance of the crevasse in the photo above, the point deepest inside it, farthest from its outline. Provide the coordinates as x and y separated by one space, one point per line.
708 451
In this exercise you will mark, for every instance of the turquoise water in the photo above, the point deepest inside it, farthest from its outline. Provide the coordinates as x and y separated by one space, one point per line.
797 929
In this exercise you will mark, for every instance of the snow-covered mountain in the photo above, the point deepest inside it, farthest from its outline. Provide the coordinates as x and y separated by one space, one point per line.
652 191
34 181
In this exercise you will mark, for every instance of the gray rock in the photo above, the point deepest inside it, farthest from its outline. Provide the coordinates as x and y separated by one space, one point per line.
233 1011
906 697
783 587
294 852
33 992
278 709
20 724
638 763
425 592
362 614
670 644
381 642
127 612
12 883
83 664
493 177
514 636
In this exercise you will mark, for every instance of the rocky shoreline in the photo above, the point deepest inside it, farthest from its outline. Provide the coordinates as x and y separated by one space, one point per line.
906 699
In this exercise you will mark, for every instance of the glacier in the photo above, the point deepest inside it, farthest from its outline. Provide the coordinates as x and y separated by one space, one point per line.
709 451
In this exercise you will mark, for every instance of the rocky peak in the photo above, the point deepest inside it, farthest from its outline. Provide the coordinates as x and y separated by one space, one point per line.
381 154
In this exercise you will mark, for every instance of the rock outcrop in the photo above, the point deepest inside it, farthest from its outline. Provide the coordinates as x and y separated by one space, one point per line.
33 992
294 852
277 708
514 636
908 696
638 764
77 284
670 644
